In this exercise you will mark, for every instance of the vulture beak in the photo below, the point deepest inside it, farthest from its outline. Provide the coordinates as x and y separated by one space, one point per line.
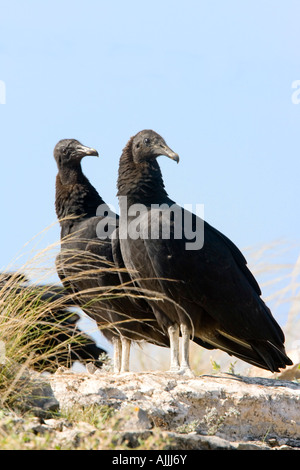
163 149
85 151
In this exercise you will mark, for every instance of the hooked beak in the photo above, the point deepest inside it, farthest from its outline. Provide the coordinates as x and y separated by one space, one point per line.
163 149
83 151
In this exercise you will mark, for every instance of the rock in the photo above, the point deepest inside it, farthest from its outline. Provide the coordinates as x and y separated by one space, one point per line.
37 398
194 441
206 412
72 436
133 417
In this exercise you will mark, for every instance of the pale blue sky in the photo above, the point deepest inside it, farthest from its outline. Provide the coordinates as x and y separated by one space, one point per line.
213 78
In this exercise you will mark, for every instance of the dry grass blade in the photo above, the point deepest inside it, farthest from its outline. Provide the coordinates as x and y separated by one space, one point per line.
38 324
25 325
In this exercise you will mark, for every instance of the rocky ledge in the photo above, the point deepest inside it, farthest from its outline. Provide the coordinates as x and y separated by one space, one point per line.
207 412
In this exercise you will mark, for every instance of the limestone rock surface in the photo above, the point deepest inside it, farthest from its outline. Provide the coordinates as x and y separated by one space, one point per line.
209 411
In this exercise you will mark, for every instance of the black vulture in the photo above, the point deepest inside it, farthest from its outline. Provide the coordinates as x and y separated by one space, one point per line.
53 334
86 264
213 297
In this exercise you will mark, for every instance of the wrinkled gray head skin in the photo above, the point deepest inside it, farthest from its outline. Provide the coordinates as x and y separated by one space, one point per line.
148 145
71 151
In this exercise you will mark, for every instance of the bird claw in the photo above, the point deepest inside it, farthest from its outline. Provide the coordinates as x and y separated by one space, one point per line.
186 371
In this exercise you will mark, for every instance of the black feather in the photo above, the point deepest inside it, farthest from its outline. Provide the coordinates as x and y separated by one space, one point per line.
210 289
86 264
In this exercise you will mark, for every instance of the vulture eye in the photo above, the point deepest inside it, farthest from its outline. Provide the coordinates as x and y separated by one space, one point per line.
147 141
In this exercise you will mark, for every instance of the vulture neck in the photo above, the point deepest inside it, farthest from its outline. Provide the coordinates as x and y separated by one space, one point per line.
75 196
141 183
71 174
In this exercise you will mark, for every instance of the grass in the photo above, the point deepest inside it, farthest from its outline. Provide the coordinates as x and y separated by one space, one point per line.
30 326
90 428
21 337
24 320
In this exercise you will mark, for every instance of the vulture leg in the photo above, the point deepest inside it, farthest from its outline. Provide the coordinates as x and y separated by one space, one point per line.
126 343
173 332
117 354
185 368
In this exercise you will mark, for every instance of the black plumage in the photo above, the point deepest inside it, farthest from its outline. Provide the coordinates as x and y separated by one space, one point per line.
53 335
212 295
89 267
